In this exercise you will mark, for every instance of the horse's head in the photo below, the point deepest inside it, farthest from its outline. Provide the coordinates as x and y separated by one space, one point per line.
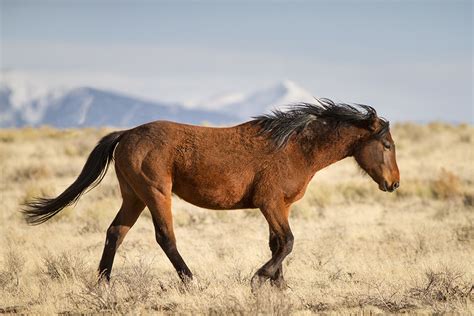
375 154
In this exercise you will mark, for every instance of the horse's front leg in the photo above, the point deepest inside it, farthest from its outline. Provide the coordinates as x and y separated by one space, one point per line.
277 279
277 218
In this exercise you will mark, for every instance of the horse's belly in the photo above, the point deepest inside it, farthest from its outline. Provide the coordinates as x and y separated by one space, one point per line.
215 193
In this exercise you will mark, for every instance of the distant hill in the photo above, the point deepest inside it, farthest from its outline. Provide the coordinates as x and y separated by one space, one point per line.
20 105
89 107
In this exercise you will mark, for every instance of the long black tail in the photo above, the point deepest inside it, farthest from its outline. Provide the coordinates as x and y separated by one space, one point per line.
40 210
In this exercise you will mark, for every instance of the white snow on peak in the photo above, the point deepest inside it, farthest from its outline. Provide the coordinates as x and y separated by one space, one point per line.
217 101
28 86
275 96
246 105
293 93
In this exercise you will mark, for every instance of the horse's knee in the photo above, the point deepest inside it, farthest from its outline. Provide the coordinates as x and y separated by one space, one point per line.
273 243
112 235
287 243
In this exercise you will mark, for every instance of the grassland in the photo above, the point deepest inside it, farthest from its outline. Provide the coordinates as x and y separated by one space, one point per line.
357 249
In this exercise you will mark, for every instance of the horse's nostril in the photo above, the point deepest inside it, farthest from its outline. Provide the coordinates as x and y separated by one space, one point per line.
395 185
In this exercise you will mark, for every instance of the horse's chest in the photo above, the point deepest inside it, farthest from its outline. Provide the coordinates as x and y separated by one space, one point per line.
294 188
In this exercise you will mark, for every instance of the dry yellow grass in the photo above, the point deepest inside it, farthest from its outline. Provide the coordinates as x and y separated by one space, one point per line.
356 249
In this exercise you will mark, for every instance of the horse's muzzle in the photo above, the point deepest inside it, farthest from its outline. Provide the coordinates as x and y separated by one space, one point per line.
384 186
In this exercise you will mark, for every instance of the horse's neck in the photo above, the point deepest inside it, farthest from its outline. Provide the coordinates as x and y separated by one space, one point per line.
328 146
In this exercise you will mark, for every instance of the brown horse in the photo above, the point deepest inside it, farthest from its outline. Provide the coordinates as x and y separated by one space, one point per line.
265 163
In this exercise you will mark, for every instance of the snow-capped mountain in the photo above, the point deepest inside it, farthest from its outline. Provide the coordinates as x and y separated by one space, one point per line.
88 107
21 105
267 99
92 107
246 105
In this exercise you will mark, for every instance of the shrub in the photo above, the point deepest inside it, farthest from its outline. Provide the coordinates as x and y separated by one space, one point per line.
465 233
64 266
447 185
14 264
439 288
469 199
31 172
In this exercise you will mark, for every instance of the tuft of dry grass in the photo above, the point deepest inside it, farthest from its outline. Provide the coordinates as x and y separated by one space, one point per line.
357 249
63 266
447 185
13 265
442 290
30 173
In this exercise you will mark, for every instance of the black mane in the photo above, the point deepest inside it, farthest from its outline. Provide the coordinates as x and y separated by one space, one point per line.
280 125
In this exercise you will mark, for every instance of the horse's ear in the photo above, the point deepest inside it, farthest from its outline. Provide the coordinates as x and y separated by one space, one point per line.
373 122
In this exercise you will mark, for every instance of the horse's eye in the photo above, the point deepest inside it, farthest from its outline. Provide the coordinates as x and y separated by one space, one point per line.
387 145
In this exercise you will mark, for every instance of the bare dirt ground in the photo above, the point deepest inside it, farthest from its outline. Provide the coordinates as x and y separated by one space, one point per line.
357 249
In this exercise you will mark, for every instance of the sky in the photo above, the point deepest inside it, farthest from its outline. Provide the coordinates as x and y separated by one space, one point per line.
411 60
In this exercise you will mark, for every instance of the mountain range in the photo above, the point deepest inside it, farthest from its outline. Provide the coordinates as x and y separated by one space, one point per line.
93 107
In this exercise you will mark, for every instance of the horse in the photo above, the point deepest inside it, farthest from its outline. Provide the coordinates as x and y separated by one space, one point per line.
264 163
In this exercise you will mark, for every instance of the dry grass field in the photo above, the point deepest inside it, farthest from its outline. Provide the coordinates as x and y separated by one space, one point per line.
356 250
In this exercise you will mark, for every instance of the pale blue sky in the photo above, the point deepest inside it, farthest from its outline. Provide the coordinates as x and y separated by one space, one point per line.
412 60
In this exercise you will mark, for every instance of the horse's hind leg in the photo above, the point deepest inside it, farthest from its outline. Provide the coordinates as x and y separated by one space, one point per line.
128 214
159 203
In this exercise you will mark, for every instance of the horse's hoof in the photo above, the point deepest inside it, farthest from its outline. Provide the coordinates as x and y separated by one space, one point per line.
279 284
256 282
191 283
103 279
188 283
